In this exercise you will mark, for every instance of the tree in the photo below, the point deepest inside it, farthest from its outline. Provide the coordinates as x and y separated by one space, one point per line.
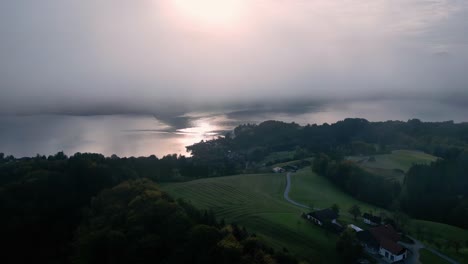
336 208
320 164
348 246
401 219
456 244
355 211
300 153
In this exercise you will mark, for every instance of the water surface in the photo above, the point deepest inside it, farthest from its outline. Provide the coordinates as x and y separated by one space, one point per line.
143 135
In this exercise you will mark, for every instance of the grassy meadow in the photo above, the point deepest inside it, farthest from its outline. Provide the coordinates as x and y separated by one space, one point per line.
394 165
427 257
311 189
397 160
438 236
256 202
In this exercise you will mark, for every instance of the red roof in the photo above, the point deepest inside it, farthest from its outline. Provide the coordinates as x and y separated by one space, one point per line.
386 231
387 238
391 246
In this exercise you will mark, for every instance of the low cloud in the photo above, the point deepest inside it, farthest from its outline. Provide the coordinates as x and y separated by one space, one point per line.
141 57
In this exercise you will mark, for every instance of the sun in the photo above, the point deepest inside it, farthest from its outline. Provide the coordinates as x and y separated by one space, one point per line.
220 14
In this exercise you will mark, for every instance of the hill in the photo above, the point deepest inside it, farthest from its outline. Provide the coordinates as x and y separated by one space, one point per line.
256 202
393 165
397 159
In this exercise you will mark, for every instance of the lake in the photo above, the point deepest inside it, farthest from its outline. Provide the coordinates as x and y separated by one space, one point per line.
143 135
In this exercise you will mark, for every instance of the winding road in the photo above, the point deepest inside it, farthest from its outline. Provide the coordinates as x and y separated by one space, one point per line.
286 192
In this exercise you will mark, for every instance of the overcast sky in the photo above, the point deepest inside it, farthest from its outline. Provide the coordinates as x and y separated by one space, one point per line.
117 56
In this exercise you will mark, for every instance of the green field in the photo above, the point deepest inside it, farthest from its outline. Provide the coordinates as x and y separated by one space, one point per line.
312 189
292 162
397 160
427 257
389 174
256 202
437 236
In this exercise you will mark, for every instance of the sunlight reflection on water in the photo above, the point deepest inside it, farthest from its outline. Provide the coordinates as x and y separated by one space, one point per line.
143 135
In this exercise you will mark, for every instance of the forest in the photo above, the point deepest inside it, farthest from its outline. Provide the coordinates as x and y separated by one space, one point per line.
246 146
92 209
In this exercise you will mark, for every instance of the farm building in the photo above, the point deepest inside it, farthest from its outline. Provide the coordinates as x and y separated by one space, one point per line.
326 218
371 219
355 228
320 217
278 170
383 240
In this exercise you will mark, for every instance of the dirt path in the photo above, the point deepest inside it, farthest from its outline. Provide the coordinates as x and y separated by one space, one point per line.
420 245
286 193
413 252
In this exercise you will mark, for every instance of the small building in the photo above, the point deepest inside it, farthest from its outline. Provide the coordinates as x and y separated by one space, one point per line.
326 218
278 170
371 219
320 217
355 228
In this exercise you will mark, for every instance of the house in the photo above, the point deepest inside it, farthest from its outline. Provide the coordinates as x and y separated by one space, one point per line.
368 242
383 240
320 217
392 251
278 170
371 219
326 218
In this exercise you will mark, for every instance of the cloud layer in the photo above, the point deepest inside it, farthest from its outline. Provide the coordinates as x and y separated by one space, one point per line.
148 56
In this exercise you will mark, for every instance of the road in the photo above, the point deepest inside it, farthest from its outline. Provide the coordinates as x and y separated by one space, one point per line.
413 252
421 245
286 192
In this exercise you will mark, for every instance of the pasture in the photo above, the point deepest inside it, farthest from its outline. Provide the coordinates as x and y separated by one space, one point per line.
397 160
311 189
256 202
441 237
427 257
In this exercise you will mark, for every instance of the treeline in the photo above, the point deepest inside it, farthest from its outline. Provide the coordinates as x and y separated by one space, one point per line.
439 191
97 166
92 209
357 182
251 143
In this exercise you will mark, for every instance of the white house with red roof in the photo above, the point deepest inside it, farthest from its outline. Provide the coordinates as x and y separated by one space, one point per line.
383 240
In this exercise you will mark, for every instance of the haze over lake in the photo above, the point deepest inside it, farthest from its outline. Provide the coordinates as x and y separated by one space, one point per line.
144 134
